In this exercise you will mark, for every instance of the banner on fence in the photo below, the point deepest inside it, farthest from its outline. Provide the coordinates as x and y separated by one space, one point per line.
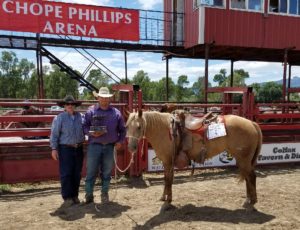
69 19
270 154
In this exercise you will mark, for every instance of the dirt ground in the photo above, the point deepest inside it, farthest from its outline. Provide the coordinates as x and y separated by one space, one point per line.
211 199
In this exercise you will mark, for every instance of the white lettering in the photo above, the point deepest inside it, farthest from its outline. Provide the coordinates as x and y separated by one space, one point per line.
4 6
19 7
48 9
39 8
93 32
119 16
97 17
72 12
84 14
70 29
60 28
58 11
48 28
81 30
112 17
105 16
128 18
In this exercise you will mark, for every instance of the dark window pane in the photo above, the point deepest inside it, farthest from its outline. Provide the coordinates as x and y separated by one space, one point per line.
273 7
299 7
255 5
293 7
218 2
238 4
283 6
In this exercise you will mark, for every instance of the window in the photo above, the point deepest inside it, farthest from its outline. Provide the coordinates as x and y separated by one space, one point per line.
273 6
293 7
285 6
218 3
255 5
238 4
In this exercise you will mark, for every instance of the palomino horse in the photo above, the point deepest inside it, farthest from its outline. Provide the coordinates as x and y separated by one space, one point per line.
243 141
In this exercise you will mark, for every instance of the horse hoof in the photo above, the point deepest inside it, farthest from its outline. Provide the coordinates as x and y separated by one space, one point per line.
167 207
162 199
248 206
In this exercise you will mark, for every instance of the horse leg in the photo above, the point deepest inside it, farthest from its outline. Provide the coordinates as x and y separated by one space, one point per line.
251 191
167 194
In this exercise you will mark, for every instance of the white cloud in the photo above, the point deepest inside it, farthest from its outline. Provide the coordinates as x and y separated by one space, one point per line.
91 2
149 4
156 68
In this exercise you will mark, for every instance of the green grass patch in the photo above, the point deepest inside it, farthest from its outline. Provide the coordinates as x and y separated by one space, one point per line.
5 188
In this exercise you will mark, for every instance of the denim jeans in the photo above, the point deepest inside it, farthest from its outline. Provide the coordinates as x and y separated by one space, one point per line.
70 166
99 157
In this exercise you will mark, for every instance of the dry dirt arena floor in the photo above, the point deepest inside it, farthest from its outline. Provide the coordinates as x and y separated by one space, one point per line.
211 199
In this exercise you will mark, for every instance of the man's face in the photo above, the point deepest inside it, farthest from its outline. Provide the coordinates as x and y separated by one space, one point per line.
69 107
104 101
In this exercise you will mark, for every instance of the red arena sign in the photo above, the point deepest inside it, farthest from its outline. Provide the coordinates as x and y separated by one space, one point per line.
69 19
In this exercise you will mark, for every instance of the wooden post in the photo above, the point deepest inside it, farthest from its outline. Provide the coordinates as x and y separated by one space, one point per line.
289 82
126 76
284 74
167 79
207 46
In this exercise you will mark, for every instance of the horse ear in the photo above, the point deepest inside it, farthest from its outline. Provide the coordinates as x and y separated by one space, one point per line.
126 114
140 113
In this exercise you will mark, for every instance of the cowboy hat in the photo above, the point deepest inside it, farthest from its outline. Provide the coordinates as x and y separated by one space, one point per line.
103 92
68 100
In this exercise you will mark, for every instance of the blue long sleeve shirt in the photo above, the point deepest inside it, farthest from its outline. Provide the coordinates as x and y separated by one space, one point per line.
66 130
111 119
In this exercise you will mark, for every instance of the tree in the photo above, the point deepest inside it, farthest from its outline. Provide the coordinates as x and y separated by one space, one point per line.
181 90
220 77
270 92
58 84
14 75
96 78
142 79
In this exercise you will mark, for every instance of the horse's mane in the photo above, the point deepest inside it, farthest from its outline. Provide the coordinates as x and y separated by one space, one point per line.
155 119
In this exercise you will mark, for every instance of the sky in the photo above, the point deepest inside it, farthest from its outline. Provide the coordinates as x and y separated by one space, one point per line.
152 63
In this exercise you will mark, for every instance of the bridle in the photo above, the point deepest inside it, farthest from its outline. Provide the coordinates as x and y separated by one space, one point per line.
140 138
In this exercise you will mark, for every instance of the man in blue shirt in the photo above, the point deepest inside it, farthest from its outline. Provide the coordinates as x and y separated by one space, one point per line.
66 142
105 127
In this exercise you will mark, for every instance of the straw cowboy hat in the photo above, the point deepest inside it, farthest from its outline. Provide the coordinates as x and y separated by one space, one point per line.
68 100
103 92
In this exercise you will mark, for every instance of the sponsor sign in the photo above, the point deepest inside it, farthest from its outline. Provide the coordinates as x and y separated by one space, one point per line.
270 154
48 17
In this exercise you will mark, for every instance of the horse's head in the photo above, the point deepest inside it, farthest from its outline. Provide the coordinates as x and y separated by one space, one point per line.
136 128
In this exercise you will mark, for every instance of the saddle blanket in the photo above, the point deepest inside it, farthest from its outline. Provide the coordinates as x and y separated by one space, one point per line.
215 130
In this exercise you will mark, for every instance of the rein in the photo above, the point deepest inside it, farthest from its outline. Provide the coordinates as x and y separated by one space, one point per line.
133 153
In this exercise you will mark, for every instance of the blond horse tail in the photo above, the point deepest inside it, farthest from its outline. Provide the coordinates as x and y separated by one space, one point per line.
259 144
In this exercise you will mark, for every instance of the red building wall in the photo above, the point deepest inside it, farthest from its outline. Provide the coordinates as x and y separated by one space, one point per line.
250 29
238 28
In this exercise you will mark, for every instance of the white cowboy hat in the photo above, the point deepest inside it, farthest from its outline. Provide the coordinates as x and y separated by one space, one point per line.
103 92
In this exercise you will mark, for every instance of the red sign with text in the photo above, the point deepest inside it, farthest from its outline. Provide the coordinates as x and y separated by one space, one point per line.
69 19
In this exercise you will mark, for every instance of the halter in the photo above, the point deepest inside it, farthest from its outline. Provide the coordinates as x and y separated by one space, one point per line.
143 137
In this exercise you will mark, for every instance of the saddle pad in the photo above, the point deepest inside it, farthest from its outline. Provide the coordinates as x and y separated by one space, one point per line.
215 130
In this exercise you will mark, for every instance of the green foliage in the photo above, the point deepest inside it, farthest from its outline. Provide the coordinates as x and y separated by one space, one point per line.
57 84
269 92
96 78
18 79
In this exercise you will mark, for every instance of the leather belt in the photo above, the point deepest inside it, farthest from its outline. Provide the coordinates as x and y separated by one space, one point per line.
73 146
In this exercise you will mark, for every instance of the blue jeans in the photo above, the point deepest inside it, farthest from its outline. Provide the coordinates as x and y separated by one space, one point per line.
99 157
70 166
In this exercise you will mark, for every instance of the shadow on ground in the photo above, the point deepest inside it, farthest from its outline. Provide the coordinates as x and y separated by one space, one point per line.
190 213
76 212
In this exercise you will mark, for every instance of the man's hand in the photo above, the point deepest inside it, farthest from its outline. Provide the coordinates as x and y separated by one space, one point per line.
96 134
54 154
118 146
